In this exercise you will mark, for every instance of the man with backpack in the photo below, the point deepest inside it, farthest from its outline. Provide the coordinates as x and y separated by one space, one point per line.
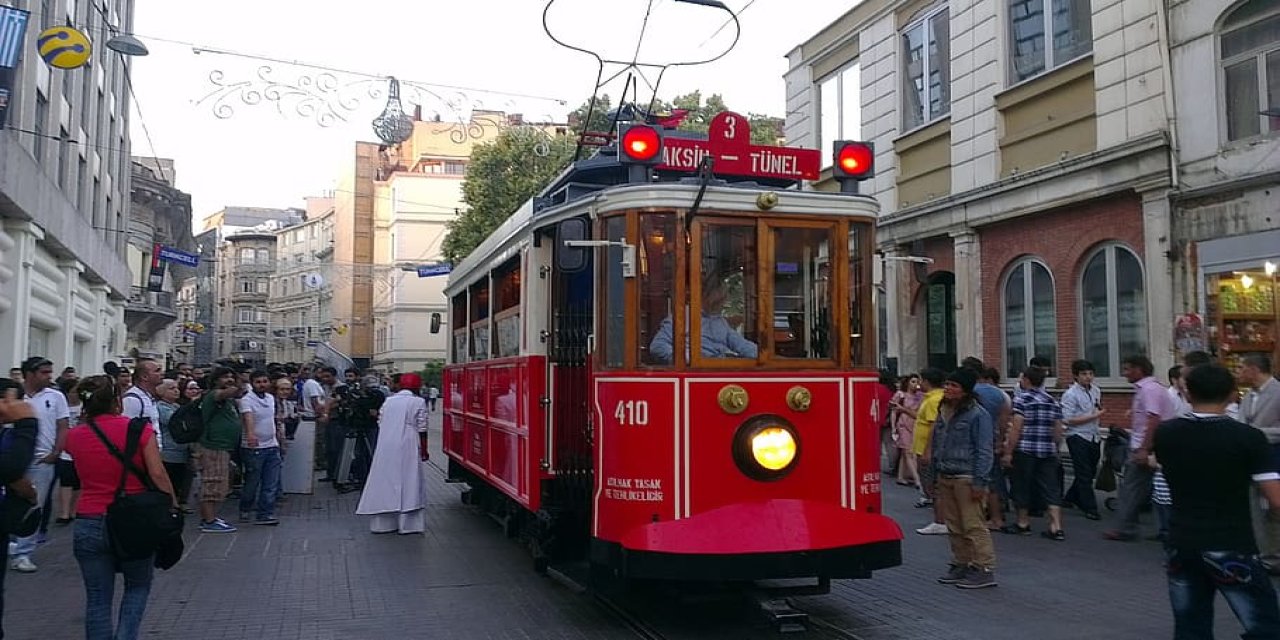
221 434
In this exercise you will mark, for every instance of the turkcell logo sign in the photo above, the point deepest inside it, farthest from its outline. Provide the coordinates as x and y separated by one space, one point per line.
169 254
428 270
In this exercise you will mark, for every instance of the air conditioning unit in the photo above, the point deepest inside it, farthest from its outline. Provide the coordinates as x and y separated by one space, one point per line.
253 345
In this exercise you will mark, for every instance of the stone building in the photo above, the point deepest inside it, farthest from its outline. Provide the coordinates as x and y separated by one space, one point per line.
246 267
302 289
1023 149
64 178
160 216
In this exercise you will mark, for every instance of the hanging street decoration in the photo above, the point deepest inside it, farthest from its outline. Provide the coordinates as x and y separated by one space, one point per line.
331 98
64 47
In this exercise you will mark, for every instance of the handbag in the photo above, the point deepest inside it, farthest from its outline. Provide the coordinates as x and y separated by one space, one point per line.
138 523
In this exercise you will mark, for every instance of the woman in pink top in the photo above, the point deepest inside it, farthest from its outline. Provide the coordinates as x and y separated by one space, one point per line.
99 472
904 423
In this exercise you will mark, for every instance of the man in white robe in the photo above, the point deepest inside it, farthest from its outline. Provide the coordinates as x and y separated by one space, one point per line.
396 492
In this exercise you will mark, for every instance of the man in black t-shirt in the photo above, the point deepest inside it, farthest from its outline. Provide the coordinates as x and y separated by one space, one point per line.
1209 461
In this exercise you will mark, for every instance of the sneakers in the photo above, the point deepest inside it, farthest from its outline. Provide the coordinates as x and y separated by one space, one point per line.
978 579
269 522
23 565
955 574
933 529
217 525
923 503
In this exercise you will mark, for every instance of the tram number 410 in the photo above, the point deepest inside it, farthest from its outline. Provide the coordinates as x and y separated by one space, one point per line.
633 413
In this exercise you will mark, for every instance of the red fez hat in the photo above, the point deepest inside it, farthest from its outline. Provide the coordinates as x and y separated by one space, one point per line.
410 381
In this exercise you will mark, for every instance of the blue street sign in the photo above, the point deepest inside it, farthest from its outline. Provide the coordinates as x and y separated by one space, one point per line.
169 254
428 270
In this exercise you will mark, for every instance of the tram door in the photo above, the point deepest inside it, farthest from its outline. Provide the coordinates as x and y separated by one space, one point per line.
571 296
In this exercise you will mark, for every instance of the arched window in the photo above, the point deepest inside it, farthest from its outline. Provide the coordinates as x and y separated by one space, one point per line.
1030 316
1113 309
1249 46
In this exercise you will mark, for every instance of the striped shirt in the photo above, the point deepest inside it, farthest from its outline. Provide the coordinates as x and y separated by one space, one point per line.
1040 412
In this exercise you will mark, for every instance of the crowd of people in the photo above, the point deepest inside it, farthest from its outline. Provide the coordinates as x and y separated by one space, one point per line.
1204 456
60 455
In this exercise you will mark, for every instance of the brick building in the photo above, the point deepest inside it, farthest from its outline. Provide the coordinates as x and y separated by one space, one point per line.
1037 180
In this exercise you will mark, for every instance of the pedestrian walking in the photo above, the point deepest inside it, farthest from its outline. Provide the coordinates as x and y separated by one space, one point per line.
54 419
962 458
1210 462
17 448
1032 454
100 472
1152 405
925 416
905 403
396 491
68 482
1260 409
1082 415
999 407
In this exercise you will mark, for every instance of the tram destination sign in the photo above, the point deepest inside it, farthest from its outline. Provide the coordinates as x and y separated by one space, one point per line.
729 142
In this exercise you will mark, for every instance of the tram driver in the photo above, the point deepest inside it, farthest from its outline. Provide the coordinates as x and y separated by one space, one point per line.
719 338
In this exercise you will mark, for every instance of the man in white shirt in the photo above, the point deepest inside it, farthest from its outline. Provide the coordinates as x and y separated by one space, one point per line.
54 419
259 452
139 401
1081 413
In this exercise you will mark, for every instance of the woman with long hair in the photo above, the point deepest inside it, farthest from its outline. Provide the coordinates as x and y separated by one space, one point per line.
68 481
100 472
904 403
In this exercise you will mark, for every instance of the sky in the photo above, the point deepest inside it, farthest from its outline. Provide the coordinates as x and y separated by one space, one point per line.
204 105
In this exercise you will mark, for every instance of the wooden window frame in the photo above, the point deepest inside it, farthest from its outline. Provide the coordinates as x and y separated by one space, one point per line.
839 303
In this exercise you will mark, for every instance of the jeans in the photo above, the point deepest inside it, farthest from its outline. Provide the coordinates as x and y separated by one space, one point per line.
1135 492
261 481
966 527
1194 576
98 566
1084 463
41 476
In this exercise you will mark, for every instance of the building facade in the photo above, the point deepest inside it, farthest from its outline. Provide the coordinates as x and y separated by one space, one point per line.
64 176
1226 231
160 216
302 290
1024 170
246 264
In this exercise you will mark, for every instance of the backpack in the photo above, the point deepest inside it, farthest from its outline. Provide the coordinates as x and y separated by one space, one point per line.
139 523
186 425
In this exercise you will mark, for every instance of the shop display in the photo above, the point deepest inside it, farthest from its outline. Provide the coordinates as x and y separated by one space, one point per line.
1243 315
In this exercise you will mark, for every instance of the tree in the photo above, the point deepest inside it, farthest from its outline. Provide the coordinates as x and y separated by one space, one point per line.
501 176
433 373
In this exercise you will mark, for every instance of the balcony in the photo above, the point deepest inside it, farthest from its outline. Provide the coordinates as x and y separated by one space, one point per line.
147 312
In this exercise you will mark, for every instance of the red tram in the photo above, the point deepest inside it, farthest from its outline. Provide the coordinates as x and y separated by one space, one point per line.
573 412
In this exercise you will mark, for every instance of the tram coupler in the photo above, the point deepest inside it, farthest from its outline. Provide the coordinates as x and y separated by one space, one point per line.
786 618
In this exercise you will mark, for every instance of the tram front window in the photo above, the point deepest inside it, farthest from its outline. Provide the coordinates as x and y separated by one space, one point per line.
727 310
802 292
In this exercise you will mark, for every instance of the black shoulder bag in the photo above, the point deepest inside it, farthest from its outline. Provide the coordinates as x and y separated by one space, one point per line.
138 524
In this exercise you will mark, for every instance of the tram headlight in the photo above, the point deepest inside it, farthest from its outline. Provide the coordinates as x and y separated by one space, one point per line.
773 448
766 448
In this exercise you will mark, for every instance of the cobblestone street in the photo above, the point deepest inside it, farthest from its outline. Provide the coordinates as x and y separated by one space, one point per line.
320 575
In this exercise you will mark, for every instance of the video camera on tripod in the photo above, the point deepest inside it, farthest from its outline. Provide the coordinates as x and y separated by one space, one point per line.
357 408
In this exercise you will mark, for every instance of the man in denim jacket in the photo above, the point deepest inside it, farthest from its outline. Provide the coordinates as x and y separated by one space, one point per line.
962 456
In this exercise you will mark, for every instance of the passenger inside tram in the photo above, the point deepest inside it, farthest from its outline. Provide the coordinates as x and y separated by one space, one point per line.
719 338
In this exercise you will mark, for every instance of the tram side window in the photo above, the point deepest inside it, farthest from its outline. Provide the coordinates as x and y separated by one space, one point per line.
657 268
802 293
729 302
461 328
861 334
506 316
615 299
480 321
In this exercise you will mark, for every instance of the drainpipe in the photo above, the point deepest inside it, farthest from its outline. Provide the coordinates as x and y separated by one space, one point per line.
1170 102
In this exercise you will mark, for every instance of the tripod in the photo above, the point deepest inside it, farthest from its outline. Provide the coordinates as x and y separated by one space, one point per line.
357 441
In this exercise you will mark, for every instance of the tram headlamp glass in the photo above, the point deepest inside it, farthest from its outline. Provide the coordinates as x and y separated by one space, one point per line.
773 448
766 448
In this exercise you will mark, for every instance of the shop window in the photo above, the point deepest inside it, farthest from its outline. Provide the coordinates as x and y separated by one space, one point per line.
802 293
926 74
657 267
1243 313
1250 52
1030 316
1069 22
839 109
1113 313
506 317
